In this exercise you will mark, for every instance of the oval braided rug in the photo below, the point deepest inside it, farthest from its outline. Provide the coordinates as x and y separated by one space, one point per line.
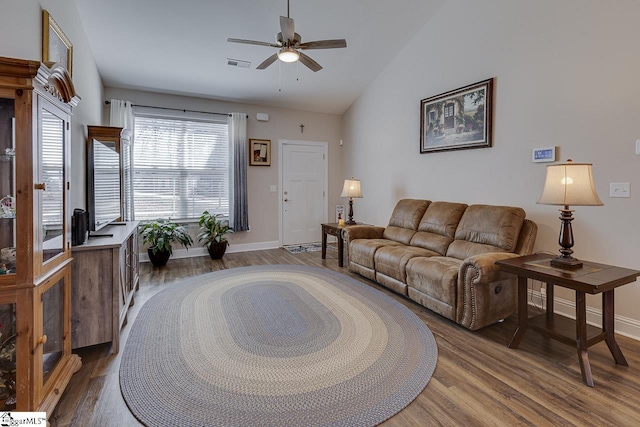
274 346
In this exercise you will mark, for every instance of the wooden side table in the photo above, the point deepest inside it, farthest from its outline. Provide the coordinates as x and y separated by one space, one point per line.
591 278
334 229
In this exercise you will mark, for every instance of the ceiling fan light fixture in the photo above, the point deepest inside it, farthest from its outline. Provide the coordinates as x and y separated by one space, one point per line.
288 54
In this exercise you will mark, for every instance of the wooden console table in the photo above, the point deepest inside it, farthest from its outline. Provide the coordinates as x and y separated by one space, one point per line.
591 278
104 280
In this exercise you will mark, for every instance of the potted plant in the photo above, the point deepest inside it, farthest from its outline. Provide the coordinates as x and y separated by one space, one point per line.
159 235
212 234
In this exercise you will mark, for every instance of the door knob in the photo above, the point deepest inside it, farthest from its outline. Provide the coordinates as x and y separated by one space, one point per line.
42 186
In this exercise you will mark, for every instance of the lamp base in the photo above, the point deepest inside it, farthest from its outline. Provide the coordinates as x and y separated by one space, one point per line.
350 222
566 262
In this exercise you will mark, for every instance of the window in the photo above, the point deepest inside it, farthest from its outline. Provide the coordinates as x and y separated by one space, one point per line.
180 167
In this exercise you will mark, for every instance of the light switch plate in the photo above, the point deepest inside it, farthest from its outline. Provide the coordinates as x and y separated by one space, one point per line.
273 188
619 189
638 147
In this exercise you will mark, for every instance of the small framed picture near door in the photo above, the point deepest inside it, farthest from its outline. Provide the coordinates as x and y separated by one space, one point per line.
56 47
259 152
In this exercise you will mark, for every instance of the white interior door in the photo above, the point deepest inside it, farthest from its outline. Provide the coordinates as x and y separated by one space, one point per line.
303 191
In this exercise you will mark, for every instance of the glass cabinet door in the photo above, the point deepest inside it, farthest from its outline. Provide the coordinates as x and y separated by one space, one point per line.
8 356
53 328
7 188
50 181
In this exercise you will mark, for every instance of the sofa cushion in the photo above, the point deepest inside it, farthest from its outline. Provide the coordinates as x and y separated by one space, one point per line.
392 260
438 226
487 226
361 251
405 219
437 278
461 249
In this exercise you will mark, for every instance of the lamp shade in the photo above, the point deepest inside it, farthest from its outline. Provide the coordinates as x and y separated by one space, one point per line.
351 188
570 184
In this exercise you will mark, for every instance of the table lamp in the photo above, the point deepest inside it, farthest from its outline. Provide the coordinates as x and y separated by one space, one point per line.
351 189
568 184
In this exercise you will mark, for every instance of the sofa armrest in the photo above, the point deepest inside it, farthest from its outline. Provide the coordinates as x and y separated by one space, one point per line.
482 268
362 232
485 294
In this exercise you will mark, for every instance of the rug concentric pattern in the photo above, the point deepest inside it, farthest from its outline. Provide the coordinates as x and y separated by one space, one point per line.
274 345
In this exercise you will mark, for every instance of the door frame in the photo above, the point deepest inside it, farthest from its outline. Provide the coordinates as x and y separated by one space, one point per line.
281 144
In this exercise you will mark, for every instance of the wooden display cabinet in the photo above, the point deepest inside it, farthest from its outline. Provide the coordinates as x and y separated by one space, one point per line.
36 362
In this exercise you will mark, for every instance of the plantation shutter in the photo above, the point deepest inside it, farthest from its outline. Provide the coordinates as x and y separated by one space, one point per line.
180 167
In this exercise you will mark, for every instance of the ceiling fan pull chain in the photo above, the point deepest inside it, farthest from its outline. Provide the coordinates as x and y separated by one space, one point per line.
279 76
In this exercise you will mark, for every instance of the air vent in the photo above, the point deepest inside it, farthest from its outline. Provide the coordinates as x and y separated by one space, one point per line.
238 63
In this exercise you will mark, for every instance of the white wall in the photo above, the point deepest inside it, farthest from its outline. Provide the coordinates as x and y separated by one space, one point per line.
21 37
282 124
566 75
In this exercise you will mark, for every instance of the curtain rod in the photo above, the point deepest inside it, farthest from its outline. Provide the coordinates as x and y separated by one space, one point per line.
176 109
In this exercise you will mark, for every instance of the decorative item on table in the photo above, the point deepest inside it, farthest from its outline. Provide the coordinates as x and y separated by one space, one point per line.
457 119
339 212
8 207
568 184
351 189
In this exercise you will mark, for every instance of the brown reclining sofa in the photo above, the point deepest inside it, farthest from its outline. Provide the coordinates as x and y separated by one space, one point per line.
442 254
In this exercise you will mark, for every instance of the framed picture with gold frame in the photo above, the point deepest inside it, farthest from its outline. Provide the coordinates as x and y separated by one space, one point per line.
259 152
56 46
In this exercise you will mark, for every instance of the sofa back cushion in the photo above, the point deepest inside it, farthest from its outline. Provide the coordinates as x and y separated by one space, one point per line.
405 219
486 228
438 226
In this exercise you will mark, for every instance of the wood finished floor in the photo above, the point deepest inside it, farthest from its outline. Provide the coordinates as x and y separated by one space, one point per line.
477 381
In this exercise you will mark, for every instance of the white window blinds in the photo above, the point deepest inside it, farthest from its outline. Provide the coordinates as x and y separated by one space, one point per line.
180 167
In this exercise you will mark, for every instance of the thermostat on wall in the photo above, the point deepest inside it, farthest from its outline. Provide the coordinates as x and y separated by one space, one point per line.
545 154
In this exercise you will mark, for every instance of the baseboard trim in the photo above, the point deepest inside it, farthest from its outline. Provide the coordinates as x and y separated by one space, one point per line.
202 251
623 325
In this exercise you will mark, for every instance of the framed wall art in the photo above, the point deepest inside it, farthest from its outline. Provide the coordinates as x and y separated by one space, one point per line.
457 119
260 152
56 47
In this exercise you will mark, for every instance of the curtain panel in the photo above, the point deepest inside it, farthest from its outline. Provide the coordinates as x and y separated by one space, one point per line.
238 155
121 115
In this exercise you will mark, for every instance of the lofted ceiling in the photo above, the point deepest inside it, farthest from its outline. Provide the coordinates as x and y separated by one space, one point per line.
180 47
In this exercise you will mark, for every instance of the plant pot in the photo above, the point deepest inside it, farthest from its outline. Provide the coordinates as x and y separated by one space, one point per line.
217 250
160 258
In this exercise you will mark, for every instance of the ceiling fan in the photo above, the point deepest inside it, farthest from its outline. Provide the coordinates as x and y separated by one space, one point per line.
290 43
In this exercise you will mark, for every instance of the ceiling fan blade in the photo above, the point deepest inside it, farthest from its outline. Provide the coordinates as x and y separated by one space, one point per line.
286 26
310 63
323 44
270 60
252 42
